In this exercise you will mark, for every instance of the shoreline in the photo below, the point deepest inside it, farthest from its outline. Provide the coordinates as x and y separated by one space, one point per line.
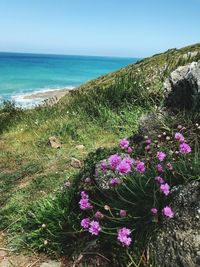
43 98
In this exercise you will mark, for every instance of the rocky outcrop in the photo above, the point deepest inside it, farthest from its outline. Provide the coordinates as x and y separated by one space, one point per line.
177 243
182 88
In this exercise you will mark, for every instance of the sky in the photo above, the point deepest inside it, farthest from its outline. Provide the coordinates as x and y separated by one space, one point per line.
126 28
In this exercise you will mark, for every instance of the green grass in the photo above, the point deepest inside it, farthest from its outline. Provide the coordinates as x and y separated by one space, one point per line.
95 115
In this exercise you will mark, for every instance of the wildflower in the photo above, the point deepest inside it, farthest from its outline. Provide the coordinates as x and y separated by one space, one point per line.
161 156
167 212
67 184
169 166
154 211
88 180
94 228
179 137
124 143
114 160
130 150
84 202
84 194
99 215
123 213
123 167
85 223
185 148
147 141
115 181
140 167
147 148
103 166
159 168
165 189
159 179
123 236
128 160
106 207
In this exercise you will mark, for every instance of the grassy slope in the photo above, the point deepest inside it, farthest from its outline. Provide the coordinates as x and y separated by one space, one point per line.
96 114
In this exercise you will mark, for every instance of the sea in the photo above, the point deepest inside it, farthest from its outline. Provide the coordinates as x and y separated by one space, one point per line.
23 74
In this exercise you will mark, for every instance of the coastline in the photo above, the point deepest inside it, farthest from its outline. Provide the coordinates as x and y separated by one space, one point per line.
41 98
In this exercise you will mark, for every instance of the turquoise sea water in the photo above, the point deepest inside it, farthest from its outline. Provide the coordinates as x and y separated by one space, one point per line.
22 74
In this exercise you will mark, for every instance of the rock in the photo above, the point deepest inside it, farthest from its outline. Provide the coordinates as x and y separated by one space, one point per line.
182 88
54 142
177 242
149 124
6 263
75 163
51 264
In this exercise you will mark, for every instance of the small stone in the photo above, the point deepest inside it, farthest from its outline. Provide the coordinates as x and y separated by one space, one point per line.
75 163
54 142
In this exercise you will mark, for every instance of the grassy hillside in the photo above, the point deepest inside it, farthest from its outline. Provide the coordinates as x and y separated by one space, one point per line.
97 114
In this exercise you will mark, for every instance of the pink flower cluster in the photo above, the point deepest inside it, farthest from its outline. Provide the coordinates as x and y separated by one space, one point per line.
184 148
119 164
84 201
92 226
123 236
125 145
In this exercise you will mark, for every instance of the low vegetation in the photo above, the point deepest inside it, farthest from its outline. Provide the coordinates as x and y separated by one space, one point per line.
40 190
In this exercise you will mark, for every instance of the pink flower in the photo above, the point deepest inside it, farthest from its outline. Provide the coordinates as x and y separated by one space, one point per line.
123 236
99 215
128 160
123 167
94 228
161 156
165 189
140 167
84 194
159 180
85 223
124 143
114 160
130 150
147 148
148 142
103 166
154 211
169 166
179 137
159 168
123 213
115 181
185 148
84 204
167 212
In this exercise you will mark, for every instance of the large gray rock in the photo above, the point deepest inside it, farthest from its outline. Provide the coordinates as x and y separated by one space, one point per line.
182 88
177 243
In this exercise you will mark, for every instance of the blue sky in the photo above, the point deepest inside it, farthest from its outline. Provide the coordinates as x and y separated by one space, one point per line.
98 27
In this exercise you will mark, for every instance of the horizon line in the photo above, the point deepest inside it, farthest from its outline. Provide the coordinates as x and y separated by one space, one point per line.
55 54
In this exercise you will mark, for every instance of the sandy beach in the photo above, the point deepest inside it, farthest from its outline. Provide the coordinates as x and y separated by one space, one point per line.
48 97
